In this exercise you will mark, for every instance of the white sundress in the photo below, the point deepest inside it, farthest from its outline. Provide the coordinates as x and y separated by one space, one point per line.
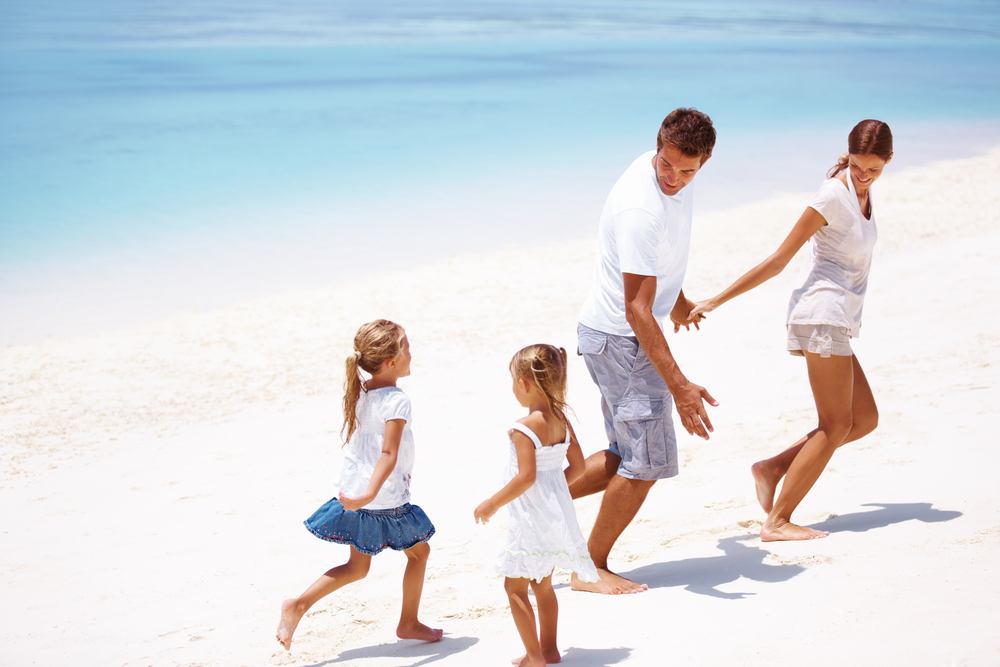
544 533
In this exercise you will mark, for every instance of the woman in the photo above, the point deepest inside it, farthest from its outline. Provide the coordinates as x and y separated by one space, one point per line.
823 315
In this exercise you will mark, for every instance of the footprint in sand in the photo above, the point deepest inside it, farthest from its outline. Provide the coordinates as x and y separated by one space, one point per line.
805 561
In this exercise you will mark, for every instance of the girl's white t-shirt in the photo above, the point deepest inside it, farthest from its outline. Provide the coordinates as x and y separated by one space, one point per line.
834 276
374 409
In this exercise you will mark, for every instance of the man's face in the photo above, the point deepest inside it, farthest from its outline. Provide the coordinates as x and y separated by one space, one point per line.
674 170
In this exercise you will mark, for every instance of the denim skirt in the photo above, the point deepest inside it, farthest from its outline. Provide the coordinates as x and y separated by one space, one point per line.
371 531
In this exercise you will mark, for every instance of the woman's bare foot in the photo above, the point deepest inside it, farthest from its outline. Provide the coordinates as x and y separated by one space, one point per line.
290 617
552 656
610 584
766 481
788 531
418 630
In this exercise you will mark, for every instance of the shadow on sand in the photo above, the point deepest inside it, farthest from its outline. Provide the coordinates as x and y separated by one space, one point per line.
705 575
888 514
595 657
406 650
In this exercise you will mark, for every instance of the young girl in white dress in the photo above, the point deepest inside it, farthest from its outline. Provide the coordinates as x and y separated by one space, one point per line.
373 510
824 314
544 532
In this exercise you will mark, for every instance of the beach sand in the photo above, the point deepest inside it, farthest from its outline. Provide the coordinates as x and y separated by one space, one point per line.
154 481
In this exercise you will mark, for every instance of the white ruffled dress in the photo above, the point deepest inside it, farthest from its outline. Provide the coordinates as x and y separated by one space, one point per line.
544 533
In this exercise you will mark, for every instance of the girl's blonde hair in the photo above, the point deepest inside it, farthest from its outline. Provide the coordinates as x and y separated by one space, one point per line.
545 365
375 343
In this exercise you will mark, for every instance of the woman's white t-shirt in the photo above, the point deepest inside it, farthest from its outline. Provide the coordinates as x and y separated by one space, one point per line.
834 276
374 409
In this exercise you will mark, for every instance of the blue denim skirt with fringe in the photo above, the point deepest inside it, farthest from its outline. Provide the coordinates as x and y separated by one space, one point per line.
371 531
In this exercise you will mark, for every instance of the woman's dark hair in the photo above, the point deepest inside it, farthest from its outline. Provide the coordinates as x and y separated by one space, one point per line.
869 137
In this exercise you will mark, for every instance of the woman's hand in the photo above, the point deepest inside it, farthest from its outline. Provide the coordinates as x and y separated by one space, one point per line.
682 316
485 511
699 310
356 503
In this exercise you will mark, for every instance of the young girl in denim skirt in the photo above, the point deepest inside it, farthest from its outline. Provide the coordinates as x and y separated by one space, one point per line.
543 531
372 510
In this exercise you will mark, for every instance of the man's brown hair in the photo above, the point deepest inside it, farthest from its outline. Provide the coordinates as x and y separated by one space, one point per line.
688 130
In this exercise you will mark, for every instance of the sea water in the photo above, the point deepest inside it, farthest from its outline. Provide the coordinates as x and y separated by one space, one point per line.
177 155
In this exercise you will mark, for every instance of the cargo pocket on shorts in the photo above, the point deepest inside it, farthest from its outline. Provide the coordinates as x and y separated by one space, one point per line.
590 341
641 435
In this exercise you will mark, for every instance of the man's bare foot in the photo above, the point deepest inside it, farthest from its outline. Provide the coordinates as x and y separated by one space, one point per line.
552 656
610 584
788 531
418 630
290 617
766 481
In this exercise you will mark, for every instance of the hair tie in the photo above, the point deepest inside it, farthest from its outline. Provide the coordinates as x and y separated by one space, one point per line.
357 354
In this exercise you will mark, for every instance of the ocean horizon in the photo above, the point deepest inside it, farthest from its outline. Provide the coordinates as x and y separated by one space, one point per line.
184 156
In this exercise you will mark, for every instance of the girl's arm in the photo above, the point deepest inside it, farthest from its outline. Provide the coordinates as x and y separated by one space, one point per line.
574 455
809 223
522 481
383 467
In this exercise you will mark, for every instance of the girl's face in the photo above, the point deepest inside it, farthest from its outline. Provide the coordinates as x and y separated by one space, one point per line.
865 169
404 359
520 391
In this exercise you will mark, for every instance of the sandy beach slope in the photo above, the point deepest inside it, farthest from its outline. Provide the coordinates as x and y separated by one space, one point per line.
153 482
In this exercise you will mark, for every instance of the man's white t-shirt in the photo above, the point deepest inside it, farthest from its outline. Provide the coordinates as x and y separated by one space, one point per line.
644 232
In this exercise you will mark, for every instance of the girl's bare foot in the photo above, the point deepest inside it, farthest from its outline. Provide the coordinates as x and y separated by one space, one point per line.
525 661
610 584
552 656
766 481
290 617
418 630
788 531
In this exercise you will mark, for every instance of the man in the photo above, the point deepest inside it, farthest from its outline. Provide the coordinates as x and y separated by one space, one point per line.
642 252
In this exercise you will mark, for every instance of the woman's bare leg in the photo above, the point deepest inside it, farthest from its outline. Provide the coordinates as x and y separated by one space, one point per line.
293 610
410 626
864 419
832 381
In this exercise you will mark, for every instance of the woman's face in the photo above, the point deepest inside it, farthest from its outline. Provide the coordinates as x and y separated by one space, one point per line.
865 169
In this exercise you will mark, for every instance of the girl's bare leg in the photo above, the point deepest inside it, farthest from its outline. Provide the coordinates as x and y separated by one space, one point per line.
864 419
293 610
548 620
410 626
524 619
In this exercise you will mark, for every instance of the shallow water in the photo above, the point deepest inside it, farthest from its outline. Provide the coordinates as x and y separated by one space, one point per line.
185 155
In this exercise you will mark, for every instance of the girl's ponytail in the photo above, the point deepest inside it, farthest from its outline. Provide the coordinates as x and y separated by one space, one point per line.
353 385
375 343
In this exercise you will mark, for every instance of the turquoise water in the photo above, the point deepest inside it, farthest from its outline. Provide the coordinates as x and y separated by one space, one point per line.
184 155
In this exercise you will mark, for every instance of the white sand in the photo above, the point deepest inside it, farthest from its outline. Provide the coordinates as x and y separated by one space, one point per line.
153 482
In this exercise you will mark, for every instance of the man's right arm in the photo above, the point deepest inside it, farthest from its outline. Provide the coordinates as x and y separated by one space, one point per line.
640 292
